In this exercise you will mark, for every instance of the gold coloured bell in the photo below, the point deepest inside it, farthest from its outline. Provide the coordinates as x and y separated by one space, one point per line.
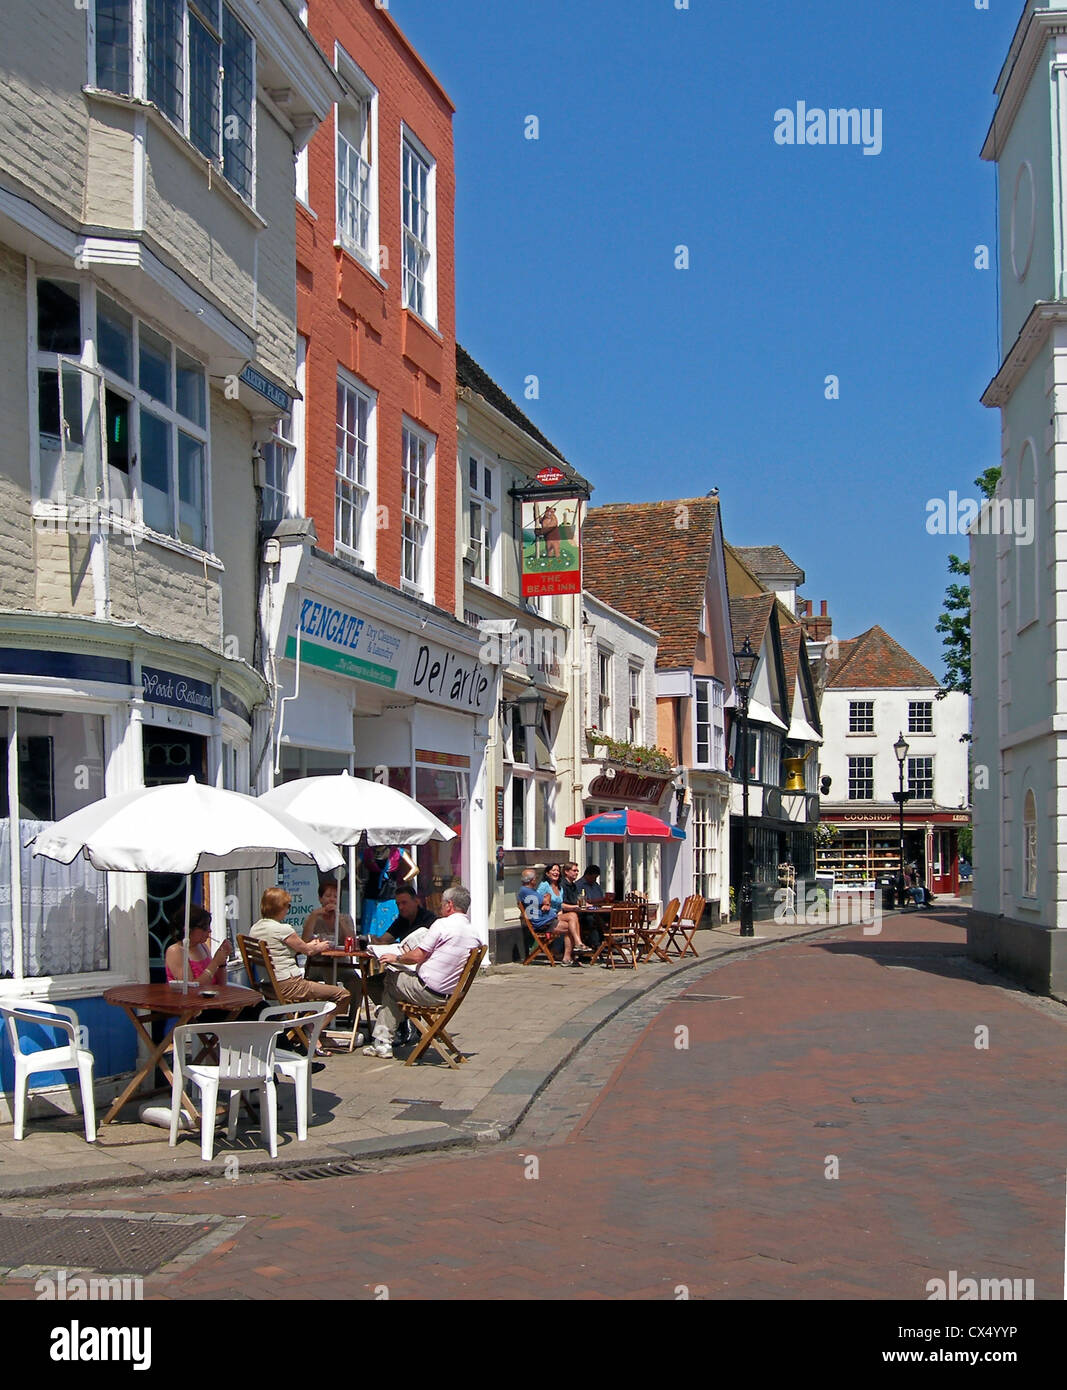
794 770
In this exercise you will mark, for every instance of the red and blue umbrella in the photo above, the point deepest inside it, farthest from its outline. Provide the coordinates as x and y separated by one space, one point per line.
623 825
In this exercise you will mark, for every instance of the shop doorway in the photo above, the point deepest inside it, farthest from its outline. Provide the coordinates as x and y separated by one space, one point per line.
170 755
945 864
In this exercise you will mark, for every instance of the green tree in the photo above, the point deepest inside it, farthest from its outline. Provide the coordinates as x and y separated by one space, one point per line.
955 622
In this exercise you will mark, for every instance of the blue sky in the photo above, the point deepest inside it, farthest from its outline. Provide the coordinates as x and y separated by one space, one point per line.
657 130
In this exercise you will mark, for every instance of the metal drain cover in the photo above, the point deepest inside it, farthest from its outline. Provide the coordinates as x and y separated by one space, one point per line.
109 1244
324 1170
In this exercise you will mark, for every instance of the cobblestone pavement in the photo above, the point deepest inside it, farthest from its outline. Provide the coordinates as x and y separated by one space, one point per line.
835 1117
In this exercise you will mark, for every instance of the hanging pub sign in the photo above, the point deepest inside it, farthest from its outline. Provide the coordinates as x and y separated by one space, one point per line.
551 545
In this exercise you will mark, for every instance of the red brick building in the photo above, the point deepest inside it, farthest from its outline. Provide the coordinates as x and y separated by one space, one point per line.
375 673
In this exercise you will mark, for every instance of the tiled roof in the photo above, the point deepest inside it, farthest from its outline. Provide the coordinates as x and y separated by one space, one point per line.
791 640
469 374
639 559
769 560
873 661
749 617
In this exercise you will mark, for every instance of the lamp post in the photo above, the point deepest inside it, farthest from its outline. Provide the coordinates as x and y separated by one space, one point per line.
745 662
900 748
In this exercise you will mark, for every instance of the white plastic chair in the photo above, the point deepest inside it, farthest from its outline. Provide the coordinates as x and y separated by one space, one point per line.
71 1057
291 1066
246 1063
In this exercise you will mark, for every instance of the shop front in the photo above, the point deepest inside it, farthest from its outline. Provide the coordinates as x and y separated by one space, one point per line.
864 848
390 689
83 715
630 866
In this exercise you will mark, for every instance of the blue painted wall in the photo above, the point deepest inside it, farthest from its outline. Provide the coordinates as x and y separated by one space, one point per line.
111 1039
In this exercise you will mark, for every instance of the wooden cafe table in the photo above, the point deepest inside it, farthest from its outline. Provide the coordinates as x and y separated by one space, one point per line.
368 964
145 1004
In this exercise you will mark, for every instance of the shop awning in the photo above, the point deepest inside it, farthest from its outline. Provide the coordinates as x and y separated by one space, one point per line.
763 714
801 732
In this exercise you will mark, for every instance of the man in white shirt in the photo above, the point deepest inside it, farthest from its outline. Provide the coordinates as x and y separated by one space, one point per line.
438 962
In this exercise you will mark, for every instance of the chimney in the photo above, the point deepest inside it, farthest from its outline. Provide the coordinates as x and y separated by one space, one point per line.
817 628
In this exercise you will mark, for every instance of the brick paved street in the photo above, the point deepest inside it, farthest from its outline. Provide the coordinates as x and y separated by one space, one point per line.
706 1166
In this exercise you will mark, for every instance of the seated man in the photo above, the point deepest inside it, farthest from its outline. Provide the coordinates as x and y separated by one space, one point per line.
590 886
438 962
411 916
284 945
541 915
572 889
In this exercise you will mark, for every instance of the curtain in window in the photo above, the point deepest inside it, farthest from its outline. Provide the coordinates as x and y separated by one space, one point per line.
64 910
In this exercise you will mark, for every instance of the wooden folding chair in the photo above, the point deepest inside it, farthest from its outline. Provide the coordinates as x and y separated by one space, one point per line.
621 935
684 926
541 936
430 1019
260 970
656 935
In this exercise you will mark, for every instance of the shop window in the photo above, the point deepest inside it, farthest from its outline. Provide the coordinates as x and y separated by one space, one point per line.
56 924
444 793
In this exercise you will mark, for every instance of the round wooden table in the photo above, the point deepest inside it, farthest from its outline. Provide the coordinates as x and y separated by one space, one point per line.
145 1004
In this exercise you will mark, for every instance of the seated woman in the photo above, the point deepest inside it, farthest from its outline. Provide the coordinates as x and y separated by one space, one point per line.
541 914
334 927
204 968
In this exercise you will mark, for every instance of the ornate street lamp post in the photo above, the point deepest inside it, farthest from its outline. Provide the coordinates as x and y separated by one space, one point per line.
900 748
745 662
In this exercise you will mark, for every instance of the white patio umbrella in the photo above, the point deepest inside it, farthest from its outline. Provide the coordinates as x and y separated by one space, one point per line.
183 828
345 808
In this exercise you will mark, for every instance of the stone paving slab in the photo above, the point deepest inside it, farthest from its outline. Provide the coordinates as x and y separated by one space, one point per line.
519 1025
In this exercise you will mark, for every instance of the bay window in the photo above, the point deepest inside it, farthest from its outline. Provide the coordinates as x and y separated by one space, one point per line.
122 415
198 69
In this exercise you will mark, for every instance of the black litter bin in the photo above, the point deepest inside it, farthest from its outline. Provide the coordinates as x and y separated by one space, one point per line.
889 894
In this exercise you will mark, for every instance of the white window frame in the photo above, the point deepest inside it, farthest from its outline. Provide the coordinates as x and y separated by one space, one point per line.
486 544
76 985
862 757
852 705
920 758
362 92
363 550
139 82
534 784
283 453
715 723
128 519
706 829
428 312
423 583
605 675
914 705
636 714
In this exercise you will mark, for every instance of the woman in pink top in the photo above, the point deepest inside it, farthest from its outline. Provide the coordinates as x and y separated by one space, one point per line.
204 968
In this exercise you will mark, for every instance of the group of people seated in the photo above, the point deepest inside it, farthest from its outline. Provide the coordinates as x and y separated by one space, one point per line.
433 948
553 905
